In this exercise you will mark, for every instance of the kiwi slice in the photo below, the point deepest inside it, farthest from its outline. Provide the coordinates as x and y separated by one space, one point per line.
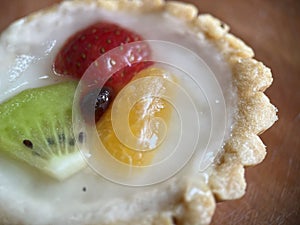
36 127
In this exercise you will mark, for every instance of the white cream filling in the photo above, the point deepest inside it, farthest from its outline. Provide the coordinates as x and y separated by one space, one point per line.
27 50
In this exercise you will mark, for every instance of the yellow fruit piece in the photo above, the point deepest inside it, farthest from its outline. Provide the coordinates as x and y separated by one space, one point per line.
147 114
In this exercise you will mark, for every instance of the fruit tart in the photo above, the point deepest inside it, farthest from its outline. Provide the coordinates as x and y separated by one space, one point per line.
126 112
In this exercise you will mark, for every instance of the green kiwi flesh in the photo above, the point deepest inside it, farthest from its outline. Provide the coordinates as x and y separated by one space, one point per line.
36 127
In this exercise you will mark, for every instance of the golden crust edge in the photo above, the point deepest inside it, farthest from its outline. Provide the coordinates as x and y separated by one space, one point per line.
227 180
255 112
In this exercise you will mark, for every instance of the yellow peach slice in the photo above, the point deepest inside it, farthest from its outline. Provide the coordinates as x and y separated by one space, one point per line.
147 119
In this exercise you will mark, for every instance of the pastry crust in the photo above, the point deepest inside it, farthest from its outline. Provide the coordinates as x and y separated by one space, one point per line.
195 201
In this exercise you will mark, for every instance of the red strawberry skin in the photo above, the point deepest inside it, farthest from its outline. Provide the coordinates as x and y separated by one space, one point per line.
84 47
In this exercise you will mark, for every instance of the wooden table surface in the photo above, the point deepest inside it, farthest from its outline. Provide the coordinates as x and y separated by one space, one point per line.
272 28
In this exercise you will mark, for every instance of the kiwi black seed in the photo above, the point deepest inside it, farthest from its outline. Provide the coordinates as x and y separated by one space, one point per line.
28 144
50 141
81 137
36 127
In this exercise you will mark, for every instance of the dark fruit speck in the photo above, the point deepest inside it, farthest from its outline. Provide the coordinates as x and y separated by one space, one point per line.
101 103
103 100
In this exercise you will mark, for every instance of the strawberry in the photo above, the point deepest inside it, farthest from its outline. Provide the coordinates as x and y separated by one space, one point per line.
84 47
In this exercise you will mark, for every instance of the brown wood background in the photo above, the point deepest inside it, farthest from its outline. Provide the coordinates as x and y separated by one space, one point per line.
272 28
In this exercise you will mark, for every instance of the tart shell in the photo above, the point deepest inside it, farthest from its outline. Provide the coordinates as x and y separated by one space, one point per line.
225 180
